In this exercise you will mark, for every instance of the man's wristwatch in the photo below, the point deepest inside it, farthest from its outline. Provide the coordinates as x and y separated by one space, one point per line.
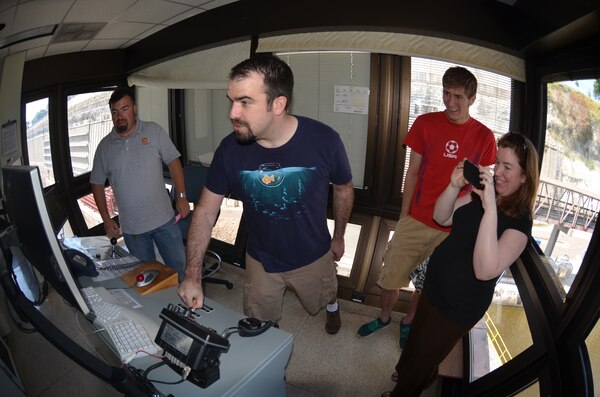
181 195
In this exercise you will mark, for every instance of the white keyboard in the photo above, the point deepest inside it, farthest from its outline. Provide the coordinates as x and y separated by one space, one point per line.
126 334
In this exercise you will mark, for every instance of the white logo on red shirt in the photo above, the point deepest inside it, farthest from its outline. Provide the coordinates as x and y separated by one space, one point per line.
451 149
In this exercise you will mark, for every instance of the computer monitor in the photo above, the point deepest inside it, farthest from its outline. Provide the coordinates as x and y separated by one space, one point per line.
27 212
56 210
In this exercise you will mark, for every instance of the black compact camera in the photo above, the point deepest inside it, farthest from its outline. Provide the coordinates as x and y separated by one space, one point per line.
471 174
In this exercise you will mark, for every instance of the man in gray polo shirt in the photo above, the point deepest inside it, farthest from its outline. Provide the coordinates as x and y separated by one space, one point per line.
131 156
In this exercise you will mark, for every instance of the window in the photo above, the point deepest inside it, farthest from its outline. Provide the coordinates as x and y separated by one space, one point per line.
153 105
89 120
493 98
507 328
351 239
333 87
228 222
89 210
38 139
492 105
592 343
569 196
505 323
206 122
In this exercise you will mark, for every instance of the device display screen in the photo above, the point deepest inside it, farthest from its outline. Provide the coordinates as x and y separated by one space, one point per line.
177 339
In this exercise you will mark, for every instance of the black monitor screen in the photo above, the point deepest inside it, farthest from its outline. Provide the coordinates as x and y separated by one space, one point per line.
27 211
56 211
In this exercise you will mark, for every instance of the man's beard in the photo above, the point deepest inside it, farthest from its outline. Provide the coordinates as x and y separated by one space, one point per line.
248 137
122 126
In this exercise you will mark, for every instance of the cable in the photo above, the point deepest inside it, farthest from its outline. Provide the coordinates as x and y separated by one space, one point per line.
140 376
166 383
89 344
186 372
229 331
215 267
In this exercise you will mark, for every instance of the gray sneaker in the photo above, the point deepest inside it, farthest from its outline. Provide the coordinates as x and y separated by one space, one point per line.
370 328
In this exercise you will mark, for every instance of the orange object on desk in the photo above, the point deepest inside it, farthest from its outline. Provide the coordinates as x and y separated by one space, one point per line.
166 279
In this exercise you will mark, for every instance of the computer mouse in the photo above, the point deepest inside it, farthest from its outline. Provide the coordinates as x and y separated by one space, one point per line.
146 277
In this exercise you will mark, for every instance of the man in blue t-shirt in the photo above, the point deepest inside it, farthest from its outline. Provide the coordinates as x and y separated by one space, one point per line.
280 166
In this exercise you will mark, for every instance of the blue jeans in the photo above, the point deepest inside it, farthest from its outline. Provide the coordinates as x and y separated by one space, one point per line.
169 242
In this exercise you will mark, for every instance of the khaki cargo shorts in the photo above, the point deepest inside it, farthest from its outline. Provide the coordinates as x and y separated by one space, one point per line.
315 285
410 245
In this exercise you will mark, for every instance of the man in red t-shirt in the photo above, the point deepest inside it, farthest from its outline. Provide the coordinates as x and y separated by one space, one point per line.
438 141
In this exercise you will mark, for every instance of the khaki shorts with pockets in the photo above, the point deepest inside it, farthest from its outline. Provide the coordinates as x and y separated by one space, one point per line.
315 285
410 245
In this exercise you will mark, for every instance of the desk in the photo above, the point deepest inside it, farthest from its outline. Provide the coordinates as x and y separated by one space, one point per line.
253 366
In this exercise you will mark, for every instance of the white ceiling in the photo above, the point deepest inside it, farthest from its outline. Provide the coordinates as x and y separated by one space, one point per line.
122 22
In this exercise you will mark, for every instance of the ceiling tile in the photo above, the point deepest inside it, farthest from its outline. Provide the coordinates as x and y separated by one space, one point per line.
36 52
185 15
6 17
61 48
123 30
129 42
38 13
39 42
7 4
194 3
77 31
152 11
127 20
151 31
97 11
216 3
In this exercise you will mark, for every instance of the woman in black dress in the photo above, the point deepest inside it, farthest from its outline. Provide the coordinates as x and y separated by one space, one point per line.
490 229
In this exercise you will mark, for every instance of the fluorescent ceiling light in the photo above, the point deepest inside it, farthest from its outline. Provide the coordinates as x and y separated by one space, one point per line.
25 35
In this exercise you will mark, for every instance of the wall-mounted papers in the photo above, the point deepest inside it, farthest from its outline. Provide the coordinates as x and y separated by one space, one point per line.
350 99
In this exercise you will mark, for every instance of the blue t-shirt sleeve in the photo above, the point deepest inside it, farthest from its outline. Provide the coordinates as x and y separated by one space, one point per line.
341 172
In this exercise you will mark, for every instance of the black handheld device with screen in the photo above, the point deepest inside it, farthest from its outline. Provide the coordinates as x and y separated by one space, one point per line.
190 346
471 173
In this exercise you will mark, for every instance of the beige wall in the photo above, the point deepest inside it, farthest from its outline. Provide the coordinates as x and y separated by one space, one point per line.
10 100
10 104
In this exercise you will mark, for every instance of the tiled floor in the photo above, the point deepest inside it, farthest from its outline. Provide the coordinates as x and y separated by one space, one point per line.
320 364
